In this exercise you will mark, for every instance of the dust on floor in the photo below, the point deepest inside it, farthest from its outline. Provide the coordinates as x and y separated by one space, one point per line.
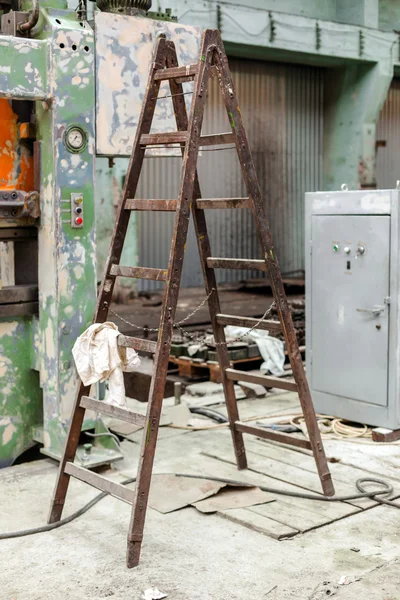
285 549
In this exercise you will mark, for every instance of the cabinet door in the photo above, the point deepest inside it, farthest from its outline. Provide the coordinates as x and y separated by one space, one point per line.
350 313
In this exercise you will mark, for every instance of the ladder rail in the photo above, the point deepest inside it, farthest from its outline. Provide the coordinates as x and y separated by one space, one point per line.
177 251
210 282
253 190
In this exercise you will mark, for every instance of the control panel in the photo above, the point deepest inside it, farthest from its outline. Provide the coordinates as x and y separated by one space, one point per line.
75 210
350 250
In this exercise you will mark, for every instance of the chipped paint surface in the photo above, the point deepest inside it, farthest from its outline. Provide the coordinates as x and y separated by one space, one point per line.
124 50
20 396
25 79
67 262
36 362
16 165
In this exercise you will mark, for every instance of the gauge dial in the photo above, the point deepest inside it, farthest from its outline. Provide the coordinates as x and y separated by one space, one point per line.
75 138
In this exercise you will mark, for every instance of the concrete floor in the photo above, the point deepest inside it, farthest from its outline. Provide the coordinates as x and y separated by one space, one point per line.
188 555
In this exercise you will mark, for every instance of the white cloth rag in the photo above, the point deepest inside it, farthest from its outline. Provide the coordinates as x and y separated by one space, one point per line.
98 357
271 349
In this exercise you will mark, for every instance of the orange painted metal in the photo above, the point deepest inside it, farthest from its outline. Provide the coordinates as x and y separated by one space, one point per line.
16 161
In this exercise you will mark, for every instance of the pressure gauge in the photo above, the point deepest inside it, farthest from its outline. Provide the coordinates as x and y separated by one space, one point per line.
75 139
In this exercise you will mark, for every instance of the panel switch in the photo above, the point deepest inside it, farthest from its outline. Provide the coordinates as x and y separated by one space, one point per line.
76 210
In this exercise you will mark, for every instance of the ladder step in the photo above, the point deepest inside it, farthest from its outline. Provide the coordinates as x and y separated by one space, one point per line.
265 380
159 139
269 325
101 483
139 272
268 434
215 139
179 137
236 263
223 203
161 205
138 344
188 71
112 411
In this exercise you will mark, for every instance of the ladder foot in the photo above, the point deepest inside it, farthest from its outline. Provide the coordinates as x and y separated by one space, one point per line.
55 514
327 486
133 554
241 462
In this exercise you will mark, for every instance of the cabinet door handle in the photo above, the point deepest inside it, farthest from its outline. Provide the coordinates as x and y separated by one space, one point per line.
376 310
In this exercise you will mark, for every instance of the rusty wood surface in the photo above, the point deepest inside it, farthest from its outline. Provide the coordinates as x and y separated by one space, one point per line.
265 380
203 243
138 344
112 411
188 174
161 205
160 139
268 325
253 190
217 139
179 137
272 435
99 482
383 435
236 263
223 203
174 72
139 272
106 289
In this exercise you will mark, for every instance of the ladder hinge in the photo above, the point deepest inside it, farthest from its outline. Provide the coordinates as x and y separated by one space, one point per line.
387 300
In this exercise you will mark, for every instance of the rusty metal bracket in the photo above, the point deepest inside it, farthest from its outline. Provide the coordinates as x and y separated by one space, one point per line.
11 22
17 204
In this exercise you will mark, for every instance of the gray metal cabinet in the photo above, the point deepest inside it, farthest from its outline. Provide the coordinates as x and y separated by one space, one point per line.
352 317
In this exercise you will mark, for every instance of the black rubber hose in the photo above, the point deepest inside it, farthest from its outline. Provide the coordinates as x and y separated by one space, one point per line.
208 412
74 515
375 494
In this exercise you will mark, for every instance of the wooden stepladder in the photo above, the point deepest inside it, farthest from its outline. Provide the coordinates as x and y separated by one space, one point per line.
212 63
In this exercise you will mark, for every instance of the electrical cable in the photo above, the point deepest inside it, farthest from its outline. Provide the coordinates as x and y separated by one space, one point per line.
374 494
71 517
208 412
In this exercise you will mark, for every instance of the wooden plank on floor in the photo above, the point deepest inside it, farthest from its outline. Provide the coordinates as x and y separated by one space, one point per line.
332 511
256 522
342 474
292 516
295 475
375 459
184 454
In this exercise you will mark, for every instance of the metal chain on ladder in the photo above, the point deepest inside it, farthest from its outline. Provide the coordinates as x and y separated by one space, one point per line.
191 314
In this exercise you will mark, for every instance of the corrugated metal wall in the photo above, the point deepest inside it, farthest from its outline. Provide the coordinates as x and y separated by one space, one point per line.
281 106
388 130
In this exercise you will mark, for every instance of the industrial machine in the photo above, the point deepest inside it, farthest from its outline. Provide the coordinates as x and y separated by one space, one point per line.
352 288
70 92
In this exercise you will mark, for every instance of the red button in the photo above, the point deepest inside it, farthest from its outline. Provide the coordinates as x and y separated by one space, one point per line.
79 220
